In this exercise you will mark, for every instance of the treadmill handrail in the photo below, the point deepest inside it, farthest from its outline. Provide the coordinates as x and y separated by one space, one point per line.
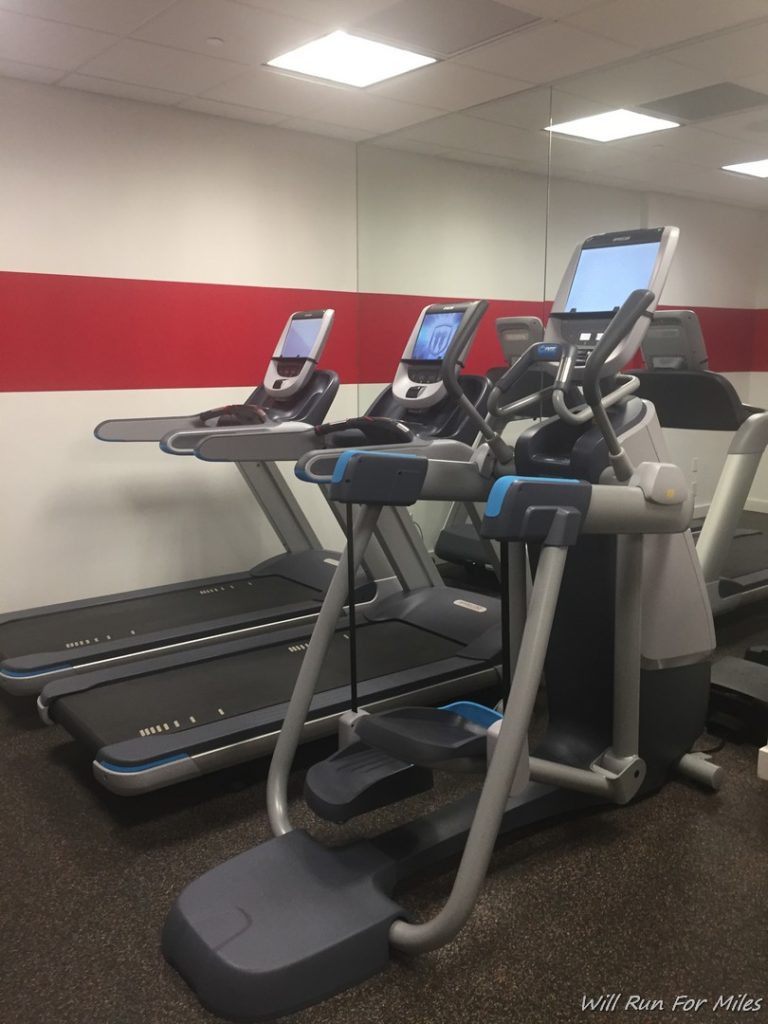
144 428
285 442
188 442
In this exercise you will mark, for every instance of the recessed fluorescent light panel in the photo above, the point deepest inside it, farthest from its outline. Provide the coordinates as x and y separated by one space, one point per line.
757 168
351 60
614 124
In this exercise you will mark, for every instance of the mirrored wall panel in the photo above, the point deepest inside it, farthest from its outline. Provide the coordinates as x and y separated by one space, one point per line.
450 209
663 140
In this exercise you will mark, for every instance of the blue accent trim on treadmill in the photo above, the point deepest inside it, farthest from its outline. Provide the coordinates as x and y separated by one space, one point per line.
474 712
302 474
499 490
145 766
344 458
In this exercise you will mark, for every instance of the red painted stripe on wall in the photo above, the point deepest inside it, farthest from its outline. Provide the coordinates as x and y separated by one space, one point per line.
759 360
83 333
63 333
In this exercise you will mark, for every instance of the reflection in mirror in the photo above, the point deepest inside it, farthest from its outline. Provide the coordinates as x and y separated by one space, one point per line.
453 208
717 107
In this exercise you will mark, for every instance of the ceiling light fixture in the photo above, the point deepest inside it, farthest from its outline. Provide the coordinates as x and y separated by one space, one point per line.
755 168
614 124
350 60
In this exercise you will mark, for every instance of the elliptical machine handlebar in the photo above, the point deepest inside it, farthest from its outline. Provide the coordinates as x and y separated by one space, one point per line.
634 306
540 352
624 319
475 311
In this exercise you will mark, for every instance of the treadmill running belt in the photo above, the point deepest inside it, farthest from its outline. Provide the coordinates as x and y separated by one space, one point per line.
208 691
87 627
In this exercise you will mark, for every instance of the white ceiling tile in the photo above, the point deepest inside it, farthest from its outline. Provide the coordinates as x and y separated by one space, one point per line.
248 35
336 131
48 43
30 72
525 110
203 106
356 109
749 127
566 107
398 142
552 9
460 131
637 82
652 24
126 90
448 86
687 144
330 14
757 82
160 67
544 53
442 27
581 155
730 55
267 89
118 16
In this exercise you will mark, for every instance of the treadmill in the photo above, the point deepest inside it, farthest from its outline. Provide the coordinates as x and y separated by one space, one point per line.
179 714
732 545
42 644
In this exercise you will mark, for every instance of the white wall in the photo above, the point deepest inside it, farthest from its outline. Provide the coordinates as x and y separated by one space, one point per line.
577 210
94 185
441 227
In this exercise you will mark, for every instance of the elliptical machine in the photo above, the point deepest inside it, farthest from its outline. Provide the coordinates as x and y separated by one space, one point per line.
617 618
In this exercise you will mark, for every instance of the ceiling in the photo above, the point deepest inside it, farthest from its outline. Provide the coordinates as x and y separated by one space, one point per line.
486 100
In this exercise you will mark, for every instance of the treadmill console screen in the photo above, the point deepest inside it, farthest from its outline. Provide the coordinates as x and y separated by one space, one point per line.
301 337
605 276
435 335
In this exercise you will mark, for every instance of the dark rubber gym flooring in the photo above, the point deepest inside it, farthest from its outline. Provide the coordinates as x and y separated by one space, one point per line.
659 899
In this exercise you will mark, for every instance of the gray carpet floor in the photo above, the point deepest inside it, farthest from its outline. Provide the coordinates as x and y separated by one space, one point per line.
662 898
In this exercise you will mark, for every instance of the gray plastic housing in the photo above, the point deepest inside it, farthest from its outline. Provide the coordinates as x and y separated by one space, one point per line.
584 330
287 374
408 387
674 342
516 334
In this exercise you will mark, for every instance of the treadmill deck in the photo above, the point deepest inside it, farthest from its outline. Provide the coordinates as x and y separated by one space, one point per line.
185 697
80 631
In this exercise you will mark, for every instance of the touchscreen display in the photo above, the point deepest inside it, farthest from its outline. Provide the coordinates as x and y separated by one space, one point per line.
435 335
605 277
301 338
